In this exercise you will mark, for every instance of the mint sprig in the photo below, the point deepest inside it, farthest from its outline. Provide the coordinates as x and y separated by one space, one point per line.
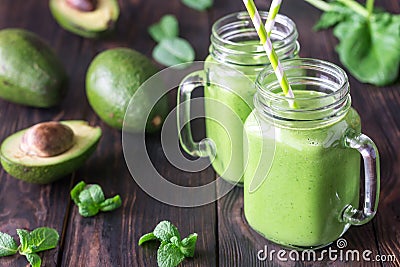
40 239
90 199
369 39
171 50
7 245
172 250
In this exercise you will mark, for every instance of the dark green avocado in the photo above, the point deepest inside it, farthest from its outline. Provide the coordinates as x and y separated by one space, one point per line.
30 72
113 77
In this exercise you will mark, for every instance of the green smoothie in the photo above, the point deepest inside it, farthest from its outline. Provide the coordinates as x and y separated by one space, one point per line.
233 94
310 181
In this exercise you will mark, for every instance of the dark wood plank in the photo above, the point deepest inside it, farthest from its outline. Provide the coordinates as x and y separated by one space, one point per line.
381 107
110 239
225 239
24 205
239 243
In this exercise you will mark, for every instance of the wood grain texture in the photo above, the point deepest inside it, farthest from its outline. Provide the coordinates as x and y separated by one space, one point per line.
239 244
225 239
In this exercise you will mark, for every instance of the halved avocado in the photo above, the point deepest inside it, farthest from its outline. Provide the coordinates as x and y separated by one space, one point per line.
43 170
89 24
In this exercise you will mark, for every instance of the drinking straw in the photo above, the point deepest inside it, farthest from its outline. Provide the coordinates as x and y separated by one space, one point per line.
273 11
267 44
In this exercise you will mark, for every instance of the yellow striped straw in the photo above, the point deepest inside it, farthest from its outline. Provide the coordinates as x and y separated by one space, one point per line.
273 11
267 44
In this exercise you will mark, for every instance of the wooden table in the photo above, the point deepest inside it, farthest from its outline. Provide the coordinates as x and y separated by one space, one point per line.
110 239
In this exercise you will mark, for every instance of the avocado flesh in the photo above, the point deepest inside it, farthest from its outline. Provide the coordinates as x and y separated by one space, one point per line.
87 24
41 170
30 72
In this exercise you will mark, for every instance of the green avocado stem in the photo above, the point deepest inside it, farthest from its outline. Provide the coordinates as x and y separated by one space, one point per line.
322 5
370 6
354 5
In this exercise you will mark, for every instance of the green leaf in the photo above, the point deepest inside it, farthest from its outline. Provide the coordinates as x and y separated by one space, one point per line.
34 259
198 4
24 241
111 203
147 237
188 245
90 199
170 52
76 191
336 14
92 195
8 246
88 210
165 230
43 238
166 28
169 255
328 19
176 241
370 50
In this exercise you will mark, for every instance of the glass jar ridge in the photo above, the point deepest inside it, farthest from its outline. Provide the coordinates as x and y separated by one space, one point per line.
234 39
330 99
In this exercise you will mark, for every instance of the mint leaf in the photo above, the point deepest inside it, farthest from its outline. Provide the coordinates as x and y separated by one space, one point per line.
111 203
90 199
42 238
172 250
370 49
34 259
88 210
166 28
170 52
188 245
169 255
147 237
165 230
198 4
91 195
8 246
24 241
76 191
176 241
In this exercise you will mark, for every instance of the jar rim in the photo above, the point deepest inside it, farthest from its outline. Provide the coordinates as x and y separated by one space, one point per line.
327 101
243 16
304 63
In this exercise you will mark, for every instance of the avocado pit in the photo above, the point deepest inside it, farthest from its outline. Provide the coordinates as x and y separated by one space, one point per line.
47 139
82 5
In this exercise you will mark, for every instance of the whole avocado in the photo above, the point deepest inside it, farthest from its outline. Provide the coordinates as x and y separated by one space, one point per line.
30 72
113 77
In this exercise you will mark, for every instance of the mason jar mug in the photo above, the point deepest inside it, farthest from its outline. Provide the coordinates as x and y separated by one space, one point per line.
301 183
236 57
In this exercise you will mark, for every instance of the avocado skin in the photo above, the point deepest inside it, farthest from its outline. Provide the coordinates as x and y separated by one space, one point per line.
30 72
44 174
80 30
112 79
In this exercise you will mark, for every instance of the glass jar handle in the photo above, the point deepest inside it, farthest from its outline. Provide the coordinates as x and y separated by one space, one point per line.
369 152
206 147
